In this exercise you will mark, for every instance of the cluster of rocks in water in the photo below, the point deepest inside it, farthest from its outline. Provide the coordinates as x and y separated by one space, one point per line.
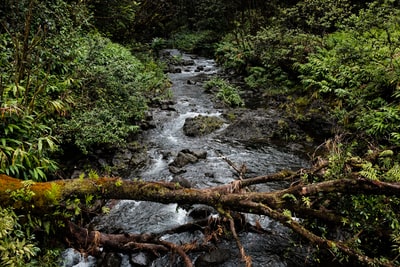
185 157
175 64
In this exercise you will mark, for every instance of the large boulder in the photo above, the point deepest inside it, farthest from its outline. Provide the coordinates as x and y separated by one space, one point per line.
201 125
213 257
129 158
260 125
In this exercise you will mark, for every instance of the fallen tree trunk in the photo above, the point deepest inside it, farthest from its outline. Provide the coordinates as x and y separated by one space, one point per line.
44 197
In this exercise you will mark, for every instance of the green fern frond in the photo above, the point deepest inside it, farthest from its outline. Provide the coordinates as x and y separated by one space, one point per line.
393 174
369 172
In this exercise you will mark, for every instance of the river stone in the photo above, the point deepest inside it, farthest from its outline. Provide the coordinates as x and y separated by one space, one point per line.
200 68
188 62
182 181
201 211
201 125
198 153
213 257
109 260
134 156
262 126
175 170
184 159
140 259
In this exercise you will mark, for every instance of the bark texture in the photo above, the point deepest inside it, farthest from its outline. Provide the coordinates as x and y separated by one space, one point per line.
44 197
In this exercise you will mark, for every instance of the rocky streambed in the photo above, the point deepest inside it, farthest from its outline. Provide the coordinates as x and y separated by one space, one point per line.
186 144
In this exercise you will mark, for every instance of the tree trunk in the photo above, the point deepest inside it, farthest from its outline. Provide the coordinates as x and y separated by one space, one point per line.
43 197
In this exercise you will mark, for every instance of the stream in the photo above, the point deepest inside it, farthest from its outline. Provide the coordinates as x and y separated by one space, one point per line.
164 143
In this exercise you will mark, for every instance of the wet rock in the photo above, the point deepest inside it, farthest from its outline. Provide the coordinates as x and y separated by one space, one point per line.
182 181
213 258
201 212
188 62
122 158
175 170
262 126
251 126
109 260
140 259
72 258
209 174
183 159
201 125
200 68
198 153
166 154
76 174
164 104
318 125
174 69
132 157
102 162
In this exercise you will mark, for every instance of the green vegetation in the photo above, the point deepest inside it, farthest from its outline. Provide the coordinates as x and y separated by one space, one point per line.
357 70
16 247
227 93
114 90
62 85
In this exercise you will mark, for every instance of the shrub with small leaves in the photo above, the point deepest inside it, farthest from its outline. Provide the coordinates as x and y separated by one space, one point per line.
16 248
226 92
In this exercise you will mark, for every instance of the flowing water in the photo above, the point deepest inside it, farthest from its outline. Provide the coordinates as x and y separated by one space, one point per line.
165 141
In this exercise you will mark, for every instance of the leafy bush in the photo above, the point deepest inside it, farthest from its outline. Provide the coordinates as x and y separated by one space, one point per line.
200 41
26 146
363 216
358 70
98 127
278 50
37 48
114 90
317 16
266 59
16 248
231 55
227 93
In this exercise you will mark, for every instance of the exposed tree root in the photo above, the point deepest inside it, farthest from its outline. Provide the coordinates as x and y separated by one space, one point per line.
245 258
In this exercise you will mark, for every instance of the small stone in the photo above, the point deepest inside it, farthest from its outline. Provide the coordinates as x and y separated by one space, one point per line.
176 170
200 154
213 257
201 212
140 259
182 181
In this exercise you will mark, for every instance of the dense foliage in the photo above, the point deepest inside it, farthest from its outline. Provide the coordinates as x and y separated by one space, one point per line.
114 89
60 82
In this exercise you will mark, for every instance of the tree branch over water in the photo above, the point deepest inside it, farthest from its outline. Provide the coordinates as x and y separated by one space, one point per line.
279 205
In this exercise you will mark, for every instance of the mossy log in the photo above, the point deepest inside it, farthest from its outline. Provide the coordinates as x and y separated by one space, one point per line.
43 197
